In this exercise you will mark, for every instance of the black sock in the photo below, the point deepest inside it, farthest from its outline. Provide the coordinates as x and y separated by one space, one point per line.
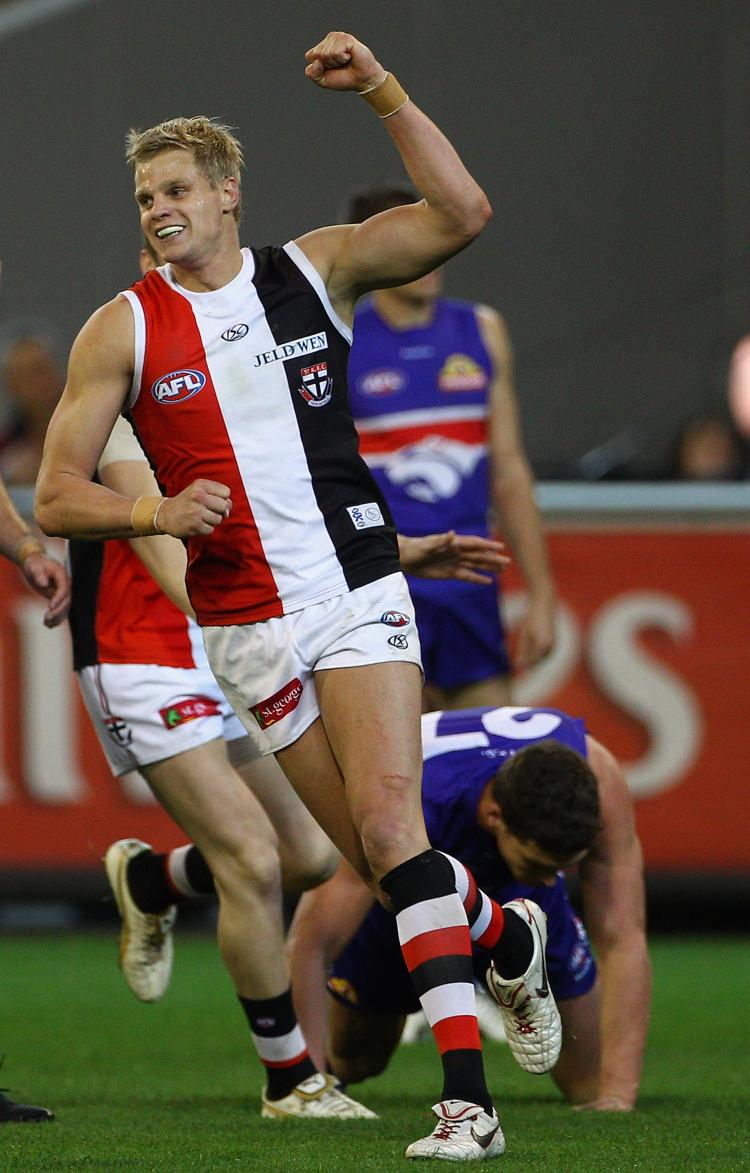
147 882
198 873
513 952
279 1042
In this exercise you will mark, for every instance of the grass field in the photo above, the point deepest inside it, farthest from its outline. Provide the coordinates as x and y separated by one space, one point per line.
173 1087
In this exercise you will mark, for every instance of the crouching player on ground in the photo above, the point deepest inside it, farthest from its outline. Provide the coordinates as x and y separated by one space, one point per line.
516 795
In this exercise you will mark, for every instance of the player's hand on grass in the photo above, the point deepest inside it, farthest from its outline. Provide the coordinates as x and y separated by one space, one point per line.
198 509
341 62
605 1104
465 557
48 578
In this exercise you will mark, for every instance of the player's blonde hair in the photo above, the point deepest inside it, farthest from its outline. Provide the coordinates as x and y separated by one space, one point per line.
215 149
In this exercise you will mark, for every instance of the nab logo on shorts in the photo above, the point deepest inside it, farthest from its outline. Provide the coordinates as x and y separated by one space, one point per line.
178 386
395 619
276 707
398 641
188 708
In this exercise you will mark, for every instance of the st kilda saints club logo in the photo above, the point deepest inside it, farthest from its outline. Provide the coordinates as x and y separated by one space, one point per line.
317 385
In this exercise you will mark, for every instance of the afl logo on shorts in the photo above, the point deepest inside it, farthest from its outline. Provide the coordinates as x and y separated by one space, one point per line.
178 386
395 619
234 333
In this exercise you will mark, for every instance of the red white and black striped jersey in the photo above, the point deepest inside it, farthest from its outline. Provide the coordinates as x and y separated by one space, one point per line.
246 385
118 614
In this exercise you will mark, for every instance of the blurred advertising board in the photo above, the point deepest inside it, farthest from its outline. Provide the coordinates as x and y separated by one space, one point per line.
653 651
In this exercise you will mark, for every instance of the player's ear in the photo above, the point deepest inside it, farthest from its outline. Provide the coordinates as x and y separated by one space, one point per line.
230 194
490 812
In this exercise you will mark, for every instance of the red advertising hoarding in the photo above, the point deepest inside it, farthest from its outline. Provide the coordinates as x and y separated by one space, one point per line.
653 651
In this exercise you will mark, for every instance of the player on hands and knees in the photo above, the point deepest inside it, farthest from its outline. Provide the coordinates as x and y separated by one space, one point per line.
515 795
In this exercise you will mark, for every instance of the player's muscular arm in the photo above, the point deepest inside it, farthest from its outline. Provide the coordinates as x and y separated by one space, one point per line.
68 502
99 374
614 909
402 243
512 487
326 919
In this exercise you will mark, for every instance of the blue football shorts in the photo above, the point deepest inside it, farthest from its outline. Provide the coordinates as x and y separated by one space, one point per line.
460 631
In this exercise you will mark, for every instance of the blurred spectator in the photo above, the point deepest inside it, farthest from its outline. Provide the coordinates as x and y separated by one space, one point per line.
32 378
709 448
739 386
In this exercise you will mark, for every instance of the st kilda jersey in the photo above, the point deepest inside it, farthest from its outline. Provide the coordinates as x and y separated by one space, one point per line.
246 385
119 615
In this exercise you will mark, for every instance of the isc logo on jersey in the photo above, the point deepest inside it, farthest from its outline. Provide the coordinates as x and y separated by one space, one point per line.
178 386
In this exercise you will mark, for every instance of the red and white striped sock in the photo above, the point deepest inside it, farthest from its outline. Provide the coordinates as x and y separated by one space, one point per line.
485 916
436 946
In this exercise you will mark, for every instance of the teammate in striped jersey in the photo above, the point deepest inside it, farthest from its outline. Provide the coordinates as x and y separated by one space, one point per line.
515 795
432 393
232 364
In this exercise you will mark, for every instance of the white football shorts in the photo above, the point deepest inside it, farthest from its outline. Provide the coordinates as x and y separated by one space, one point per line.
266 669
144 713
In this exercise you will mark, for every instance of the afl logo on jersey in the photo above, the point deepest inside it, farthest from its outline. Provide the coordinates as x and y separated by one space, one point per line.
381 383
395 619
316 385
234 333
178 386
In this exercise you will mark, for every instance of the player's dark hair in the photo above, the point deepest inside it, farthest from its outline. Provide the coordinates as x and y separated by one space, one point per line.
548 793
371 200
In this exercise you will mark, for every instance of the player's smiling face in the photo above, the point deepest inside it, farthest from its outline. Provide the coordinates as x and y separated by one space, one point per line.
182 214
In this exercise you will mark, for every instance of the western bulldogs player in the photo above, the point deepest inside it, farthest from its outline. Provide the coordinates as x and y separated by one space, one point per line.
516 795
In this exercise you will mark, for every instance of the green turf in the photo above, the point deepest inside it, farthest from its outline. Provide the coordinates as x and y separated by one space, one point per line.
173 1087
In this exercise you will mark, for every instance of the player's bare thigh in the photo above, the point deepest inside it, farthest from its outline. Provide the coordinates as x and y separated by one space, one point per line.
371 715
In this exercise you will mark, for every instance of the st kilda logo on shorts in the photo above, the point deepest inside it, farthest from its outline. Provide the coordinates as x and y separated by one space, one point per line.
178 386
317 385
188 708
118 731
271 710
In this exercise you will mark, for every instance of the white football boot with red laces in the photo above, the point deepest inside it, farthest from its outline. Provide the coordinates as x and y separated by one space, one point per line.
530 1015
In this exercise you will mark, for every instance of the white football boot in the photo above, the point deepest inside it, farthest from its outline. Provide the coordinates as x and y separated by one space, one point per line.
464 1132
146 947
530 1015
317 1096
